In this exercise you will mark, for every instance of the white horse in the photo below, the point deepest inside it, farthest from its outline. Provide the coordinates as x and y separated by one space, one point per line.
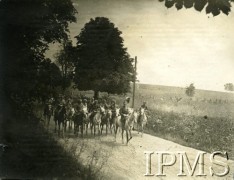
69 117
126 123
141 121
131 121
96 121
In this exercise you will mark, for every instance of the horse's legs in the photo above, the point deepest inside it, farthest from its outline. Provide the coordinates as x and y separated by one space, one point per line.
99 129
58 128
94 131
116 129
78 130
74 128
127 137
142 129
122 135
130 133
102 127
86 129
91 128
138 128
55 128
106 128
114 125
82 128
48 121
70 124
63 126
110 127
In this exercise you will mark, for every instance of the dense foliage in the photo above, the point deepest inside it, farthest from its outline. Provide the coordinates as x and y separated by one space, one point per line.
214 7
229 87
102 63
27 28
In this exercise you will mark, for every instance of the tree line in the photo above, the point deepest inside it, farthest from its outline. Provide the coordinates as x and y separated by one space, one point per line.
99 61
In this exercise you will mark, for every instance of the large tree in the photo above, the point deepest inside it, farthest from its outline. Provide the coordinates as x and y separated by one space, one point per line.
229 87
65 60
102 63
211 6
27 28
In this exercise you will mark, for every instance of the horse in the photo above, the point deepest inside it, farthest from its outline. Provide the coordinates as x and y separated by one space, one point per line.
79 120
86 120
48 112
96 120
131 121
115 114
126 123
141 120
105 120
69 117
60 118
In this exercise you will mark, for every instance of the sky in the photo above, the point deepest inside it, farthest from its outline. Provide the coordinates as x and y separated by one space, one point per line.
173 48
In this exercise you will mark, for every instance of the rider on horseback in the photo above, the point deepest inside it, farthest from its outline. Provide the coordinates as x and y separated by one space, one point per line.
124 111
113 107
105 104
94 109
143 106
79 106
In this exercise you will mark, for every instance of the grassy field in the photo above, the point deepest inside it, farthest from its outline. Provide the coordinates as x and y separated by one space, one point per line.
204 121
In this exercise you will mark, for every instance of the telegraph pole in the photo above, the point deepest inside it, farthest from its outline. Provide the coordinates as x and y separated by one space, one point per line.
134 82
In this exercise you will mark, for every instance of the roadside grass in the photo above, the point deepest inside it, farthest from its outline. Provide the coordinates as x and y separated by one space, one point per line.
205 133
32 152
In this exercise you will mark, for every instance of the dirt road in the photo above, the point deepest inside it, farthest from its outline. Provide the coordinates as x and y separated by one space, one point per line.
119 161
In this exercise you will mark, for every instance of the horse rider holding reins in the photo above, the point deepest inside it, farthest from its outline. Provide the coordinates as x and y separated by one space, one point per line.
124 111
143 106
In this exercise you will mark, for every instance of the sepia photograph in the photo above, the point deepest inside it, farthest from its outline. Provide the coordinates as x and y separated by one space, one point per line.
117 89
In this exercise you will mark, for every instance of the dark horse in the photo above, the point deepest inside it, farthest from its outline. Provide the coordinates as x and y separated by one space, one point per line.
105 120
48 112
60 118
79 120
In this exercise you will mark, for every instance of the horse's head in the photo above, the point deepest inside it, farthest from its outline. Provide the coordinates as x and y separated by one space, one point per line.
135 115
130 110
108 113
85 110
102 110
142 111
117 112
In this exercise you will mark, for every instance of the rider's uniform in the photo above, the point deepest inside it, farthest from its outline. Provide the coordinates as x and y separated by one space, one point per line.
113 109
79 108
124 112
93 109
